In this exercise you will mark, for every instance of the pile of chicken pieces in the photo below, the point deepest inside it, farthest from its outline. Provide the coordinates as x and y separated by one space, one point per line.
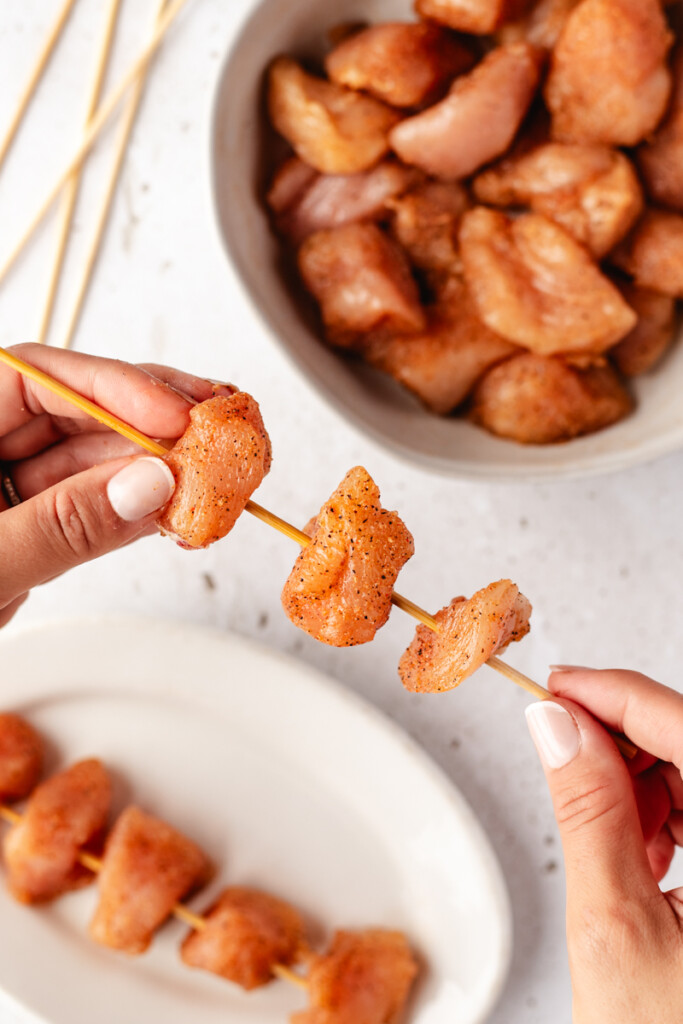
147 866
487 203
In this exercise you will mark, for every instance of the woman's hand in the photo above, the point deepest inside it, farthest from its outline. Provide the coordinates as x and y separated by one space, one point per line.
85 490
619 824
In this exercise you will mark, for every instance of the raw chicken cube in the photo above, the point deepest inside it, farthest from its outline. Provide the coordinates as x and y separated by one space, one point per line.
476 16
661 158
653 253
21 757
425 223
340 588
471 632
652 336
542 26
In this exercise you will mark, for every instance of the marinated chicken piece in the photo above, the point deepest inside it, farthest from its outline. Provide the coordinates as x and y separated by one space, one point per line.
609 82
542 26
540 400
331 200
425 223
534 285
218 463
364 978
148 867
478 119
333 129
247 933
661 158
404 64
640 350
290 184
21 757
442 364
653 253
362 280
340 588
478 17
592 191
471 632
66 814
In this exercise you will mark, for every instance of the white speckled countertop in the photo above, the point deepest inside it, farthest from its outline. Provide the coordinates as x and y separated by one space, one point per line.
600 560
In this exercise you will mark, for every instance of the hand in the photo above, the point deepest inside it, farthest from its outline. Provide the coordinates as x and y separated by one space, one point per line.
619 825
85 490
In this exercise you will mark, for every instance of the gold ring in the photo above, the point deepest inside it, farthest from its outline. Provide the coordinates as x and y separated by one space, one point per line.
9 491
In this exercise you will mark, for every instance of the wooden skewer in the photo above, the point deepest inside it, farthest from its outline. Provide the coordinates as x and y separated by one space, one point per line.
196 921
35 76
101 224
157 448
73 184
103 114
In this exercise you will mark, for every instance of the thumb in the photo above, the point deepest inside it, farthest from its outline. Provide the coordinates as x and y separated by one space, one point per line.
78 519
595 806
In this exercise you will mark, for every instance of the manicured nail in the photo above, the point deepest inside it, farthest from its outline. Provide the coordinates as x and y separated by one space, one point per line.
554 732
142 487
570 668
222 388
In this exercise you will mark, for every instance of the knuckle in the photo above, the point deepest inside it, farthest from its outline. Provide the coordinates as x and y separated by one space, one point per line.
609 931
72 521
577 809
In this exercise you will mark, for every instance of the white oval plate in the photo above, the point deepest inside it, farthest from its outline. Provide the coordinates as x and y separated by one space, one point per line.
287 781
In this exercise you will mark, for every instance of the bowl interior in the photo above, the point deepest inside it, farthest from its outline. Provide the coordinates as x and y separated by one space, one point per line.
370 401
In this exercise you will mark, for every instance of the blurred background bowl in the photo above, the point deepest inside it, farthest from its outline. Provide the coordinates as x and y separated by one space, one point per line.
368 400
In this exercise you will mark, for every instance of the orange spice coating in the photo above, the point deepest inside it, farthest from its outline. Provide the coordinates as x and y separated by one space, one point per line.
148 867
404 64
21 757
340 588
471 633
364 978
247 933
66 813
218 463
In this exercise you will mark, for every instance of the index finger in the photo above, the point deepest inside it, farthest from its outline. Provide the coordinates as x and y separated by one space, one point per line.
649 713
128 391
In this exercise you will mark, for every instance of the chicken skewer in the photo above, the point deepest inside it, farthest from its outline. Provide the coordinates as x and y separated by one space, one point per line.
195 921
158 448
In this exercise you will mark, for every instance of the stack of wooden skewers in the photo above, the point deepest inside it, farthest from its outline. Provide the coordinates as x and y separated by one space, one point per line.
99 111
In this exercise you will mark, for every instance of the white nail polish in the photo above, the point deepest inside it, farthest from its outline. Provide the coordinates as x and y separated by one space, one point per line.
144 486
554 732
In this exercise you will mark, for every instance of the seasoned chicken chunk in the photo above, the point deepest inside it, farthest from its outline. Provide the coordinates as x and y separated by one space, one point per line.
340 588
542 25
335 130
653 253
364 978
66 814
247 933
478 17
534 285
361 279
442 364
21 757
478 119
327 201
609 82
592 191
540 400
471 632
405 64
148 867
425 223
652 336
218 463
661 158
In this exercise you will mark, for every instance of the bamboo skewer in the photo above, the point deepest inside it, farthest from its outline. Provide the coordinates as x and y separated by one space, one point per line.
129 118
160 449
35 76
180 911
73 184
103 114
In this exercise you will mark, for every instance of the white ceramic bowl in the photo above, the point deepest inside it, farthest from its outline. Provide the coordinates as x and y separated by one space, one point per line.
368 400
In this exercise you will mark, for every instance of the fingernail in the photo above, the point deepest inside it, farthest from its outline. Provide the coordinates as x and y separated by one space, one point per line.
569 668
222 388
142 487
554 732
